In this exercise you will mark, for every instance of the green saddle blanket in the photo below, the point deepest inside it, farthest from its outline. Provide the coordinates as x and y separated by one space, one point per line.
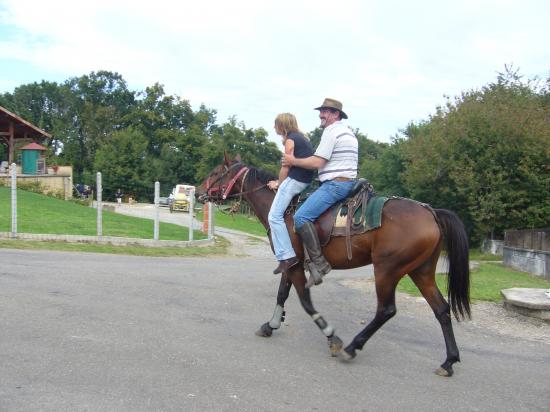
363 220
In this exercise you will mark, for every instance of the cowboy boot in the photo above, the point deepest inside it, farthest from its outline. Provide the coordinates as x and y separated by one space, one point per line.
309 236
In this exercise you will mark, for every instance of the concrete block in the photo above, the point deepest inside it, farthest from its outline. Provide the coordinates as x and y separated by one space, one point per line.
528 301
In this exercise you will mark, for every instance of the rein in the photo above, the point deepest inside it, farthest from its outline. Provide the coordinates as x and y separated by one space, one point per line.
225 190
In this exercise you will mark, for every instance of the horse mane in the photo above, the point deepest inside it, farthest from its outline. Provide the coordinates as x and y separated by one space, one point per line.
261 175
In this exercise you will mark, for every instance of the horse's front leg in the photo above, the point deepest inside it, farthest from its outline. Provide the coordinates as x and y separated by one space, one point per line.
299 281
266 330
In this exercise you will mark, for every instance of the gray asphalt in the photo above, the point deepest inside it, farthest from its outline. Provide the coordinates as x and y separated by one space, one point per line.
95 332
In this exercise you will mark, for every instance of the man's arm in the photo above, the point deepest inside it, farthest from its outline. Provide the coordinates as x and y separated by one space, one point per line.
311 162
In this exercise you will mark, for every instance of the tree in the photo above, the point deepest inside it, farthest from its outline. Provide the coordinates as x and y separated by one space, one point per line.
486 156
124 163
96 104
385 172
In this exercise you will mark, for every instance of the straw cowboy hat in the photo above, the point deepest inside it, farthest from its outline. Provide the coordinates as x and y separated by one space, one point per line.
333 104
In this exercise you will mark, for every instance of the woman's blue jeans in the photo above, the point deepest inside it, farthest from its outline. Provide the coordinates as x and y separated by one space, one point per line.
279 232
329 193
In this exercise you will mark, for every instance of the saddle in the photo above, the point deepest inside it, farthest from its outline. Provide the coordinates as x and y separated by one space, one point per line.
360 212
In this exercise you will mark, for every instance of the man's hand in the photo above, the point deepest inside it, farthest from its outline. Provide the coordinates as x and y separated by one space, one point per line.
288 159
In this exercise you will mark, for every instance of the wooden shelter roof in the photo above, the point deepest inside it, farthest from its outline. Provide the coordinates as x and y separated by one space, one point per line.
21 128
14 128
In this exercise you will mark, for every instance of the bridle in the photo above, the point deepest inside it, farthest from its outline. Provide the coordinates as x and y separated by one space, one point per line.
217 191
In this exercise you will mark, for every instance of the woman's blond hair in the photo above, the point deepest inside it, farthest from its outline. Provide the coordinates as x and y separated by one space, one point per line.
286 123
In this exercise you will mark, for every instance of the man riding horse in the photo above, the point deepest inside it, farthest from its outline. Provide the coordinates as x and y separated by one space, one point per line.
336 159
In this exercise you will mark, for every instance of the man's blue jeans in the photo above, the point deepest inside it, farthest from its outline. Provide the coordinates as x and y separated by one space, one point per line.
279 232
327 195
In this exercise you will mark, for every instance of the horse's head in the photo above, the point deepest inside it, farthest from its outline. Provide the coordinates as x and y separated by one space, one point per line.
219 183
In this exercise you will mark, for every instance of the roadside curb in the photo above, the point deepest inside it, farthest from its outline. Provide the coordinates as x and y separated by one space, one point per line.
119 241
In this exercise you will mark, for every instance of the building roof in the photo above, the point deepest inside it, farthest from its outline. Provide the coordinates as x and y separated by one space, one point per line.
33 146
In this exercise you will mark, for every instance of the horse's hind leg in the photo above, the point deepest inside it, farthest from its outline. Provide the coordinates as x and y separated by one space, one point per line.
266 330
424 279
386 309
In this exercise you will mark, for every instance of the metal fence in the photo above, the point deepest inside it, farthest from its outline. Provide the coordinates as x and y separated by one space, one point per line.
16 224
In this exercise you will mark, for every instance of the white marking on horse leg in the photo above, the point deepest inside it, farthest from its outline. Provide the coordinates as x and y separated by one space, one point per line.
275 322
327 329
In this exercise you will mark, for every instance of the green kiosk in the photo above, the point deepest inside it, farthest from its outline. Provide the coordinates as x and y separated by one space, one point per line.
30 156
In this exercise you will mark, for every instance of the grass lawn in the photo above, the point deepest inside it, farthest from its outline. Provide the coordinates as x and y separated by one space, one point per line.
236 221
37 213
486 282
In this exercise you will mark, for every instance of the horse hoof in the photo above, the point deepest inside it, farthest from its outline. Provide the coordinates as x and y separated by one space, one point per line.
335 345
265 331
444 372
345 356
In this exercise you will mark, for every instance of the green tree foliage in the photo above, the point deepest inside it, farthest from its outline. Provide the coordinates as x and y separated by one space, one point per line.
486 155
96 105
93 118
252 144
385 171
123 161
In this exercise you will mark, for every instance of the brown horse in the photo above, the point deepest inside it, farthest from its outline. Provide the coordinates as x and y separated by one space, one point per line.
409 241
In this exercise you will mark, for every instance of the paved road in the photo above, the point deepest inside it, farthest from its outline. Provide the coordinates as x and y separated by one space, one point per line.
147 211
117 333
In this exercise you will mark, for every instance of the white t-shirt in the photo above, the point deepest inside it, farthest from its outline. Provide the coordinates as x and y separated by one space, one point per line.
340 148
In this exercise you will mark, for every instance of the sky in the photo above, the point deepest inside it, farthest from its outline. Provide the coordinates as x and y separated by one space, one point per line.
389 62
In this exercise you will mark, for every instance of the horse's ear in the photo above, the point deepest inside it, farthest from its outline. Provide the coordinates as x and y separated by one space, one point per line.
238 158
226 158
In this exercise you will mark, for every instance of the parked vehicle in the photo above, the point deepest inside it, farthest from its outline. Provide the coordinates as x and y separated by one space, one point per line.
181 198
164 201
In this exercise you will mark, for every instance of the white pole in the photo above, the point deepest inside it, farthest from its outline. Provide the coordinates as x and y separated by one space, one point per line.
13 200
210 221
99 191
157 216
191 210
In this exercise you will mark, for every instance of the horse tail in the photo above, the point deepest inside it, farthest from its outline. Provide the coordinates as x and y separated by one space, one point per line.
456 245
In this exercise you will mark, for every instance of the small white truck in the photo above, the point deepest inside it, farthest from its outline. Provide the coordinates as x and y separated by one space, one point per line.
180 198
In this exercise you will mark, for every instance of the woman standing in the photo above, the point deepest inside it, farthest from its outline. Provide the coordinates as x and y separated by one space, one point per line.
292 180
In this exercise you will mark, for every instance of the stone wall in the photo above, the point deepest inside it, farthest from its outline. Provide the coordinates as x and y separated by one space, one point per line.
536 262
493 247
59 181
